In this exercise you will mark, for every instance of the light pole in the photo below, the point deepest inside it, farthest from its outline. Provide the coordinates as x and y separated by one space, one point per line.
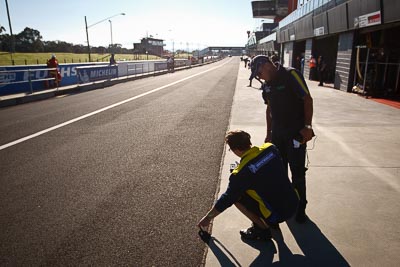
87 27
11 32
111 46
173 43
173 49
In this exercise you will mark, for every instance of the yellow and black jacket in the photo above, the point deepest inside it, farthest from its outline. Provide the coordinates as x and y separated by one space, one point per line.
261 175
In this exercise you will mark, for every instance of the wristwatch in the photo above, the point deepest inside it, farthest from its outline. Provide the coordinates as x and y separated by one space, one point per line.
308 126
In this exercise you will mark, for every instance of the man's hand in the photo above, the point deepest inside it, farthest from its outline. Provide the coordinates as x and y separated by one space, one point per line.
204 222
307 134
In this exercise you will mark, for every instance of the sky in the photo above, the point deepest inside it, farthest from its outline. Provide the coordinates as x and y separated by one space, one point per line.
187 24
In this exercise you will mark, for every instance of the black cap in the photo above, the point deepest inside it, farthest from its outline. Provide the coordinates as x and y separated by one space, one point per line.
256 63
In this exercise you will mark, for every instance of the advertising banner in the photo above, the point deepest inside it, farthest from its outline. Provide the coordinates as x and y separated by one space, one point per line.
96 73
370 19
15 79
160 66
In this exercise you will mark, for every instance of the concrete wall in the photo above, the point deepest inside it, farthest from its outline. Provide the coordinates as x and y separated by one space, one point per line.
287 54
307 56
343 62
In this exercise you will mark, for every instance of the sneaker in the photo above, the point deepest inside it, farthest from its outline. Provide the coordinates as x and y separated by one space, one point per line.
301 217
256 233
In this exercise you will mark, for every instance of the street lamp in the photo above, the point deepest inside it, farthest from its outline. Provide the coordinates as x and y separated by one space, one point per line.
173 49
111 46
173 44
87 27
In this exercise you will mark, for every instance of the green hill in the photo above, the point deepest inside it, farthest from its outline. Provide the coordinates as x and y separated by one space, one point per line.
7 59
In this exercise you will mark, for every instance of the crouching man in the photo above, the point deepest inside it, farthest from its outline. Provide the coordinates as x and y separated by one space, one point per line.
259 187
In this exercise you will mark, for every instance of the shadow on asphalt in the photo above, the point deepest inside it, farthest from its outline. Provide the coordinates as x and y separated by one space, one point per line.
223 255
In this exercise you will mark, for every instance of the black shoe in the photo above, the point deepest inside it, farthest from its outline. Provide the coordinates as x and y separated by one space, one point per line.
256 233
301 217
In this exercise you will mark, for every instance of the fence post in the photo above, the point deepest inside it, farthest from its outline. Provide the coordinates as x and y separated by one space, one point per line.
30 80
78 77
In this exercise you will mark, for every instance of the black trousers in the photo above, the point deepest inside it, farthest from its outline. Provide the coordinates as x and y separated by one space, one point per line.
321 77
295 159
313 74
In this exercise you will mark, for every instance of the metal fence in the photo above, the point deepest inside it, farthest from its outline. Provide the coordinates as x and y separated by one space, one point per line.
20 80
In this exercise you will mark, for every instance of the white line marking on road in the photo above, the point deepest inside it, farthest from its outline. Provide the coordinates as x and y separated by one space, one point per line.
105 108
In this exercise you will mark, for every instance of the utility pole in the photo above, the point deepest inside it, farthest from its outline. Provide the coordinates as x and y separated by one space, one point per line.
87 38
87 27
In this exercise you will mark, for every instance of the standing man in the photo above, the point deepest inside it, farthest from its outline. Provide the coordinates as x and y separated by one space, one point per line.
313 68
251 75
170 64
112 60
321 67
54 73
289 118
246 60
259 187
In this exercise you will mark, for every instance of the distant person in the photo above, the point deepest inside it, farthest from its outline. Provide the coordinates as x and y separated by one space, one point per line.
170 64
298 63
246 60
54 73
321 68
259 187
112 60
173 64
252 75
313 68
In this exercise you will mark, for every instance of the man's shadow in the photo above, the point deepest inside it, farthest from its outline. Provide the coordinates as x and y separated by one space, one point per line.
223 255
265 258
268 249
317 249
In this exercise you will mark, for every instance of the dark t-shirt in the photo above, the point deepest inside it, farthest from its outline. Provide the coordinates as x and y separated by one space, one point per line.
285 95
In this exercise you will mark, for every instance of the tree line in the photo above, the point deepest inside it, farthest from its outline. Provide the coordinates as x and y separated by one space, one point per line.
30 41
